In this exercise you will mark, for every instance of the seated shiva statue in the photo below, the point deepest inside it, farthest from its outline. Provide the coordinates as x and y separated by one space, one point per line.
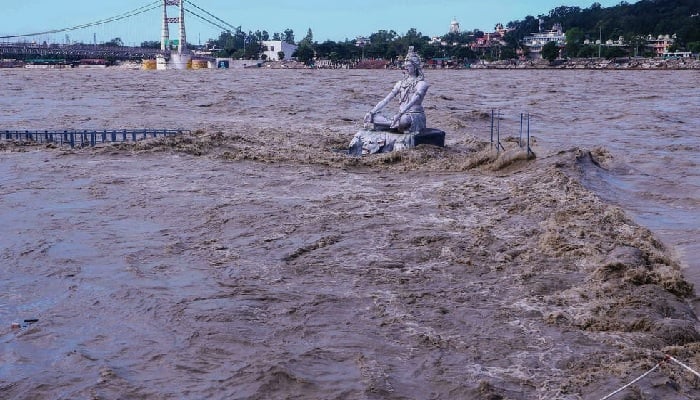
410 90
405 129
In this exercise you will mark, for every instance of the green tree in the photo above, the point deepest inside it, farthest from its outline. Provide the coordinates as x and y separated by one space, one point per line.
305 54
574 40
430 51
252 46
464 53
230 43
637 44
456 38
151 44
382 45
508 53
588 51
116 42
289 36
614 52
348 50
323 50
694 47
237 54
415 39
520 29
308 39
550 51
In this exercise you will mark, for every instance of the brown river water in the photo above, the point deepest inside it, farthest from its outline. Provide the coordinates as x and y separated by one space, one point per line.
251 259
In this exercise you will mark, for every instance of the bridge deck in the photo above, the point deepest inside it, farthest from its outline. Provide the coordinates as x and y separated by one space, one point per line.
27 51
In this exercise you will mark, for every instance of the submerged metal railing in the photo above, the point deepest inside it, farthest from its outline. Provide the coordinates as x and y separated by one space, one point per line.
496 128
82 138
525 117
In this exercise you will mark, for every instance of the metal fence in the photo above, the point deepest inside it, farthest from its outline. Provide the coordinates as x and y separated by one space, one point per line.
87 137
496 128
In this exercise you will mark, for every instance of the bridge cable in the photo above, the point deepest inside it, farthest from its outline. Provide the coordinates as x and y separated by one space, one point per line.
128 14
208 21
211 15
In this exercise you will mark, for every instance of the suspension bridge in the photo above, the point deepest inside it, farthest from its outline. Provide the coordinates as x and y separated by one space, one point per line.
24 46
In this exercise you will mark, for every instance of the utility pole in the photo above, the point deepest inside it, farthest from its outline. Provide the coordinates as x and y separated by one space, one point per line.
600 39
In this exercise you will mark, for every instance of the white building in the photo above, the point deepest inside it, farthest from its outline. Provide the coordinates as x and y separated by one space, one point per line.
271 49
454 26
536 41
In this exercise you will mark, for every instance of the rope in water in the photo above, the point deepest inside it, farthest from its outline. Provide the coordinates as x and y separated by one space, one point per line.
633 382
683 365
642 376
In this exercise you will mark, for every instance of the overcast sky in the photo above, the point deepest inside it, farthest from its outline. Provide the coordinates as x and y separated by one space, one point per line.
332 20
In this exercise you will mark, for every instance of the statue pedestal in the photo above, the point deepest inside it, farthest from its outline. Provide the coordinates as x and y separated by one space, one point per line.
368 141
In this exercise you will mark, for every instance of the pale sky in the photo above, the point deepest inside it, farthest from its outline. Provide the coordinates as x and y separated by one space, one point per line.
331 20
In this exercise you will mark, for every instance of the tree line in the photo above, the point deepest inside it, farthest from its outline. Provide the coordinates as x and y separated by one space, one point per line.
632 22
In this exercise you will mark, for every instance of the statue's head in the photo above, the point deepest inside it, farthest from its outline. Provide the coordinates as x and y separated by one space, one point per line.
413 64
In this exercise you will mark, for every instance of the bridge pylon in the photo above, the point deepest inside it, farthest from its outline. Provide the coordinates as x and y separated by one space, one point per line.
180 59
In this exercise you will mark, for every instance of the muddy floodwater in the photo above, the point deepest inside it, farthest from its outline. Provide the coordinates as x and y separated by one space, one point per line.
252 259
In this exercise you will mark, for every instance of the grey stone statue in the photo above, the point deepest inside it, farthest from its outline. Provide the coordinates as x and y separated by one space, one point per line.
405 129
411 91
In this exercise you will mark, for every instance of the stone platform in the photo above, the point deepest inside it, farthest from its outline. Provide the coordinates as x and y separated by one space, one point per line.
368 141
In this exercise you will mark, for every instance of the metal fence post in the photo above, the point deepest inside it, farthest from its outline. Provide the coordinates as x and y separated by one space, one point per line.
529 150
492 128
520 138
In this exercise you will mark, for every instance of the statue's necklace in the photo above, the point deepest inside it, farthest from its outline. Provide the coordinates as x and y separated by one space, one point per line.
407 87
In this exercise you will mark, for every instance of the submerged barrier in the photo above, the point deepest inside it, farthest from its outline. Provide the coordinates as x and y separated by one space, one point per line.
87 137
496 128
